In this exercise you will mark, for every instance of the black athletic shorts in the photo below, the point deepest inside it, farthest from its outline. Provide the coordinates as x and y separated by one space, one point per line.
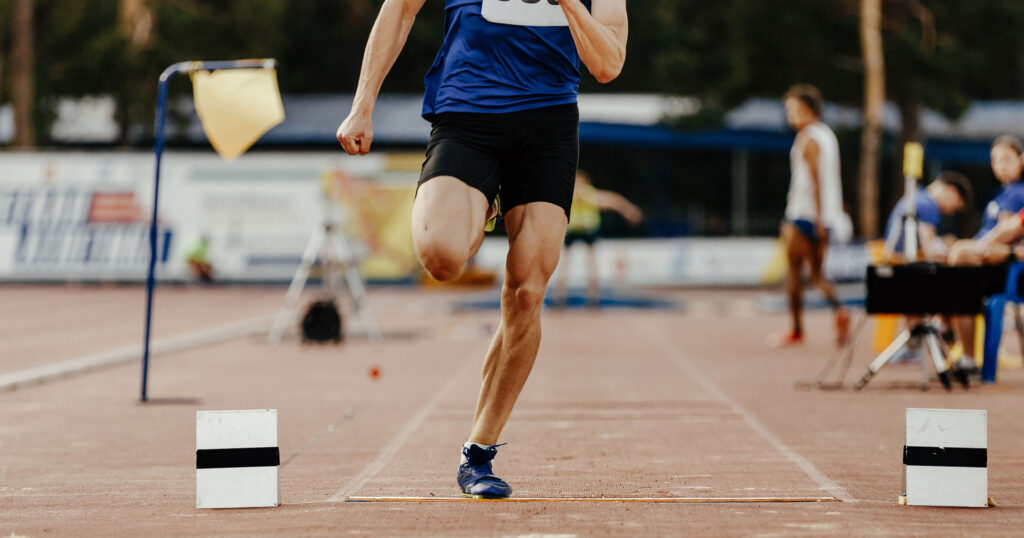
527 156
585 238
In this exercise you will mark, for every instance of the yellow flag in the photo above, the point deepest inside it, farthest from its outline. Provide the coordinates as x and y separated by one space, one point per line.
236 107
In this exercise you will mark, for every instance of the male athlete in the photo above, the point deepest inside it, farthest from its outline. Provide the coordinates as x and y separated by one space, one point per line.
814 208
501 99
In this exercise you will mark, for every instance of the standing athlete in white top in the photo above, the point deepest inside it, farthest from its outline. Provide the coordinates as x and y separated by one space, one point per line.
814 208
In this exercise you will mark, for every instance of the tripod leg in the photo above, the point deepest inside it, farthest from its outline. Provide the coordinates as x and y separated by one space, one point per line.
895 347
356 288
851 347
291 298
329 264
842 356
354 281
939 359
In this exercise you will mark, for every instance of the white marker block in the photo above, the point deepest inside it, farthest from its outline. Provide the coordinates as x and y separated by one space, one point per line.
946 458
237 459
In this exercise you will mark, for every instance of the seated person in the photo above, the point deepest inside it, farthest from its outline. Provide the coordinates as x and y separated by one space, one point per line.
947 195
994 242
1007 166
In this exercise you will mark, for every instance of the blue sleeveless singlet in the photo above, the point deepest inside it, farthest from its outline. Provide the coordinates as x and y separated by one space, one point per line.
486 67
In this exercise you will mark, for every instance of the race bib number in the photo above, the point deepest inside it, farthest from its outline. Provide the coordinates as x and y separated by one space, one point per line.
525 12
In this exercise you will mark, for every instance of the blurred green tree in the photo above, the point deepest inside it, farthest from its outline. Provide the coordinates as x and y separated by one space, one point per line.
722 52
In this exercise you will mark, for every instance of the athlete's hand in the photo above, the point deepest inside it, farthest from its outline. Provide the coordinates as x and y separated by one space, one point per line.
356 133
633 215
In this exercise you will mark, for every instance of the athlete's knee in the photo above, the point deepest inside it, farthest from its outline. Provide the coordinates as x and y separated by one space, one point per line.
817 277
960 252
525 297
534 272
443 261
526 281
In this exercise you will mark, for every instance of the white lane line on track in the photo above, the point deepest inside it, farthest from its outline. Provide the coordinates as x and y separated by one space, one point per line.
113 357
399 439
823 481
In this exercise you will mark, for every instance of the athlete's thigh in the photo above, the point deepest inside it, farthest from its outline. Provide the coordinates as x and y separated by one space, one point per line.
447 207
966 252
798 247
543 167
996 253
535 236
460 178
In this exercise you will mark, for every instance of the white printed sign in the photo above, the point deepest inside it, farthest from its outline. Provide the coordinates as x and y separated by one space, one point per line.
695 261
525 12
85 216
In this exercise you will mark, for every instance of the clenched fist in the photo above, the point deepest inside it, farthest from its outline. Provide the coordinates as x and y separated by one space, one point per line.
356 133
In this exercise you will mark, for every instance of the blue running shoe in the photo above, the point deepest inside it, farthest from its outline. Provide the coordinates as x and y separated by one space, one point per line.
475 476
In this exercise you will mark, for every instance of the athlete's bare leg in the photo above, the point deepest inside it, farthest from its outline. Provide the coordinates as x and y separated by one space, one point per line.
535 235
447 226
593 281
817 262
798 251
842 316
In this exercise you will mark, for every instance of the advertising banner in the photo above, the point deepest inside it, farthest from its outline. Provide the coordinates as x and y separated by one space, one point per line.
85 216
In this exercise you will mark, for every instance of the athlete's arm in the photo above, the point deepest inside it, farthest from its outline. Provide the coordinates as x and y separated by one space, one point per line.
811 153
600 35
1006 232
932 245
386 41
613 201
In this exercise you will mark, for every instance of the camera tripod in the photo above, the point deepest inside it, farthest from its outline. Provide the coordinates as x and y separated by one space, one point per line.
924 330
328 247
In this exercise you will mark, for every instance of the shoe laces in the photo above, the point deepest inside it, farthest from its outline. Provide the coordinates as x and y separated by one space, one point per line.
487 455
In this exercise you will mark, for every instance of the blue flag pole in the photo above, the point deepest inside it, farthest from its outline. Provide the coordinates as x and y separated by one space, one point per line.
161 120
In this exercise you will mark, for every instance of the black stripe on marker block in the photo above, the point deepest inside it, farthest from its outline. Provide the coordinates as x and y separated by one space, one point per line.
931 456
224 458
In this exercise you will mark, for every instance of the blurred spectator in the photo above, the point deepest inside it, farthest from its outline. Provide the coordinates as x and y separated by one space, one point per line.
1000 229
948 195
584 224
814 206
199 260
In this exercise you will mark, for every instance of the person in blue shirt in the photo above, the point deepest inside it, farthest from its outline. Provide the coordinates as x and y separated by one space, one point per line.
948 195
992 245
1007 166
501 98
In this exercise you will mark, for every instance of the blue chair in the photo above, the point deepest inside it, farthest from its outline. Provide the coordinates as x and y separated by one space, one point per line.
994 309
